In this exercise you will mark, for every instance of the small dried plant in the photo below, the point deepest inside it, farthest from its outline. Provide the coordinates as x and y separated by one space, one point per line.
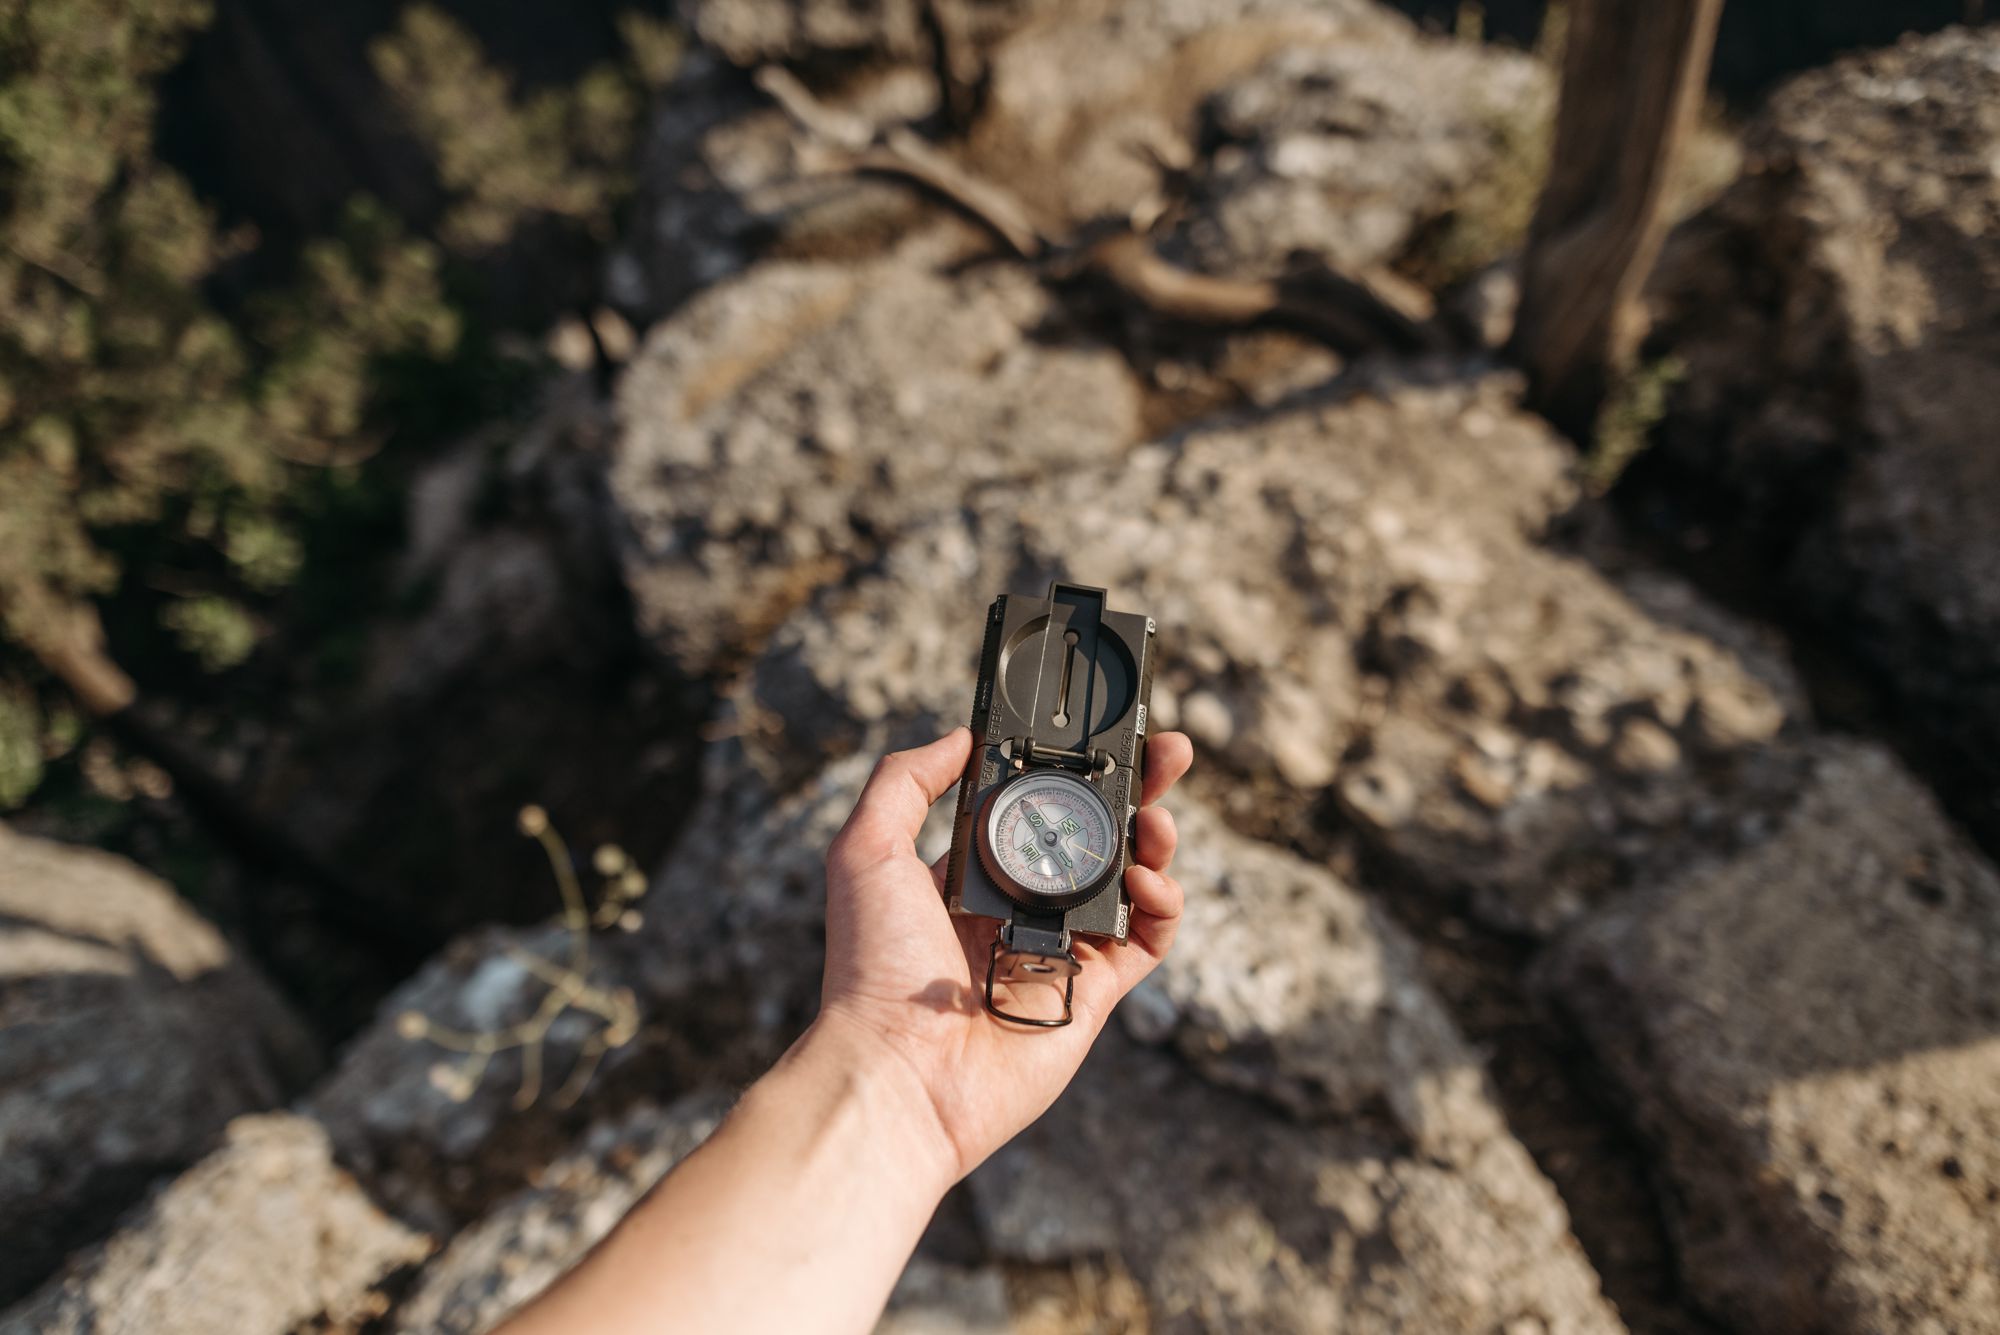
568 983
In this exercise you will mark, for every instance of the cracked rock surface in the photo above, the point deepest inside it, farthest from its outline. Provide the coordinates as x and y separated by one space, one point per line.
1234 1219
1810 1032
1364 612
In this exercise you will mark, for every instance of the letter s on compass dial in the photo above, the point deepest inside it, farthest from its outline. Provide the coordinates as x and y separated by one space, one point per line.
1048 839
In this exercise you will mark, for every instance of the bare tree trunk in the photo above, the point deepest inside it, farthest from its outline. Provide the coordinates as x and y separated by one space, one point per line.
1632 80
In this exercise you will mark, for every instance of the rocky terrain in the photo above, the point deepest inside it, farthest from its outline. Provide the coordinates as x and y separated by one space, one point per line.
1550 964
1835 316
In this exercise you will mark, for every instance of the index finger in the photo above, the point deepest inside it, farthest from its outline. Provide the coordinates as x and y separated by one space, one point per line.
1168 756
890 811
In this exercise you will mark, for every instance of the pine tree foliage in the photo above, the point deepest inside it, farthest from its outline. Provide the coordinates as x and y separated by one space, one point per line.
127 398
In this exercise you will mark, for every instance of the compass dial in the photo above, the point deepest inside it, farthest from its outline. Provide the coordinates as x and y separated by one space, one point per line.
1048 836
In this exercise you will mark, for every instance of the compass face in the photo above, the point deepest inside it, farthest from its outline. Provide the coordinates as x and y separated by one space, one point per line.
1048 836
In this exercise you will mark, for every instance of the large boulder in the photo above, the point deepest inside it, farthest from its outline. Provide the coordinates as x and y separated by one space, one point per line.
1806 1033
1295 988
436 1144
784 425
1356 603
263 1235
1234 1218
1838 317
132 1036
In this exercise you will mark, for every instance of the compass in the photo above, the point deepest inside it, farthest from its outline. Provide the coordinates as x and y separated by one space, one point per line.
1042 831
1048 839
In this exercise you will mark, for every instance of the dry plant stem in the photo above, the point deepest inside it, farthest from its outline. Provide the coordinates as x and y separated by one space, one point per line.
576 918
847 146
1633 74
569 989
907 155
1350 314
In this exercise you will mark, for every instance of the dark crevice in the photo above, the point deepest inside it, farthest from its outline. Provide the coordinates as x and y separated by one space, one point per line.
1558 1102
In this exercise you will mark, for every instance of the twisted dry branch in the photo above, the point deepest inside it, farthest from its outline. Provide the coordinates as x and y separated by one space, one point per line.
1351 314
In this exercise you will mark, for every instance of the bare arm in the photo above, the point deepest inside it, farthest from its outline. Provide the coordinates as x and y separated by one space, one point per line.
802 1209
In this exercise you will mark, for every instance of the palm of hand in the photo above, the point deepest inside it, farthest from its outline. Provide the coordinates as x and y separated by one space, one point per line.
901 967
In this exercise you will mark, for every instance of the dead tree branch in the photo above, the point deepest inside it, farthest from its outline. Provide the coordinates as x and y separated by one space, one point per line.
1350 314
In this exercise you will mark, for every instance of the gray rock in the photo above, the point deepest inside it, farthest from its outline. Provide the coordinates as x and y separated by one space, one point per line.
1356 580
1806 1032
1836 312
132 1035
262 1235
1341 151
782 427
1293 987
439 1150
530 1239
1076 105
1233 1217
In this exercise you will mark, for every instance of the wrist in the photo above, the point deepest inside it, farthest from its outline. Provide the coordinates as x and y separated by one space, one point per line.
901 1116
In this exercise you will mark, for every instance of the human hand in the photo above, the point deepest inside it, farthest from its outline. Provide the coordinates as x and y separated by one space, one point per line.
904 979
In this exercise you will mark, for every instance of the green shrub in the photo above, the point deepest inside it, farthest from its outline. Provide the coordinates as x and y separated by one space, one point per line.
129 404
562 152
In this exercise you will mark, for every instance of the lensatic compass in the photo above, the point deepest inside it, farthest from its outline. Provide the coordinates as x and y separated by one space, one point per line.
1052 788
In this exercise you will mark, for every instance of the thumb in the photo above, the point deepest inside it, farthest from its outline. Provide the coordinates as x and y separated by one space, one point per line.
890 812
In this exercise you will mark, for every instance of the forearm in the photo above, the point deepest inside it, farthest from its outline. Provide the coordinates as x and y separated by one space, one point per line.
797 1215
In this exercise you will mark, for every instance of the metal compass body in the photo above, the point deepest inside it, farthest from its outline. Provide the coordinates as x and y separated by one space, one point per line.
1048 838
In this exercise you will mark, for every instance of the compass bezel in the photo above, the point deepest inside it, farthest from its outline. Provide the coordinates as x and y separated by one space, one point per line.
1020 894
